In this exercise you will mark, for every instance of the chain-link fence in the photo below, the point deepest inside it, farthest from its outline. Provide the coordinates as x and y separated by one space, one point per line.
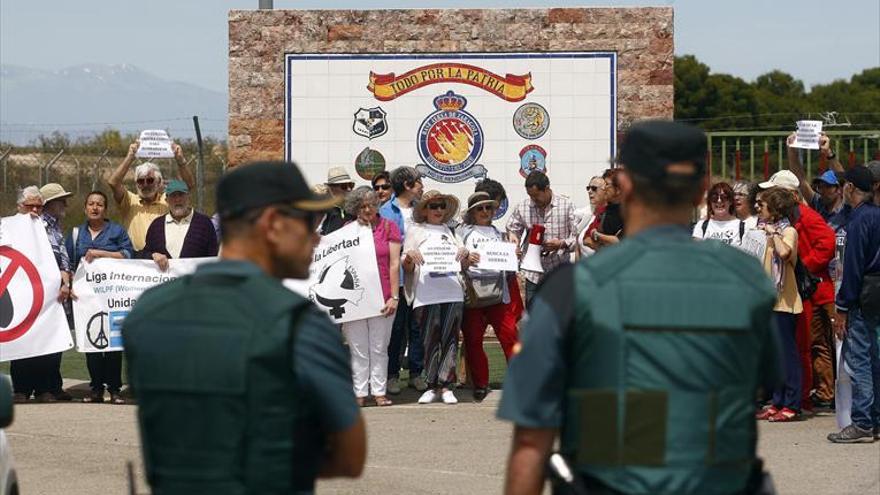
81 169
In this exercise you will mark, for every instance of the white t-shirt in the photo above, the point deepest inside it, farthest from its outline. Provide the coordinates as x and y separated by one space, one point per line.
726 231
437 288
406 213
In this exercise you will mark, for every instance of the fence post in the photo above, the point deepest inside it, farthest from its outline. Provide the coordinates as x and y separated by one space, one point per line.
95 169
200 167
46 168
751 159
737 161
76 163
766 159
4 158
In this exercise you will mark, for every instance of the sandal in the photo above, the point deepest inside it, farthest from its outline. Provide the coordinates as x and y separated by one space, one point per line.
360 401
383 401
784 415
765 413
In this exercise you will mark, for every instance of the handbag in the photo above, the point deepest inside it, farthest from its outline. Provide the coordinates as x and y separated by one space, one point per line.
484 290
807 283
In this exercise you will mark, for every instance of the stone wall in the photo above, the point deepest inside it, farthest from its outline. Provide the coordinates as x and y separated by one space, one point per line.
258 40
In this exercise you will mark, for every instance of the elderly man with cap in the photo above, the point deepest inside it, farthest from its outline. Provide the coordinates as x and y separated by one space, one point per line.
815 250
858 309
139 210
242 385
180 233
339 184
650 382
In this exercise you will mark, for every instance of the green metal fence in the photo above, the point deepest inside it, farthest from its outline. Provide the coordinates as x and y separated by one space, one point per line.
735 155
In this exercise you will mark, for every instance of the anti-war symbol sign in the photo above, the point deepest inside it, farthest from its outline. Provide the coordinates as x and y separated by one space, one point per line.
18 263
95 331
337 286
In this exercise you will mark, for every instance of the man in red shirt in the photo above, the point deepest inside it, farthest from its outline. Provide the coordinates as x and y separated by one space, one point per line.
816 244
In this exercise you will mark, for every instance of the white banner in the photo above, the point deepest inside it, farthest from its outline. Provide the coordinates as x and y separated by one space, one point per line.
754 242
344 276
807 134
107 290
154 144
32 321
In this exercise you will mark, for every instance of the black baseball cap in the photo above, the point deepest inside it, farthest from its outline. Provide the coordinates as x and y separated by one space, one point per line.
860 177
651 146
259 184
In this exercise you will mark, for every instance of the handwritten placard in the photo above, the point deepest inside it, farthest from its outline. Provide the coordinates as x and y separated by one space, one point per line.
754 242
154 144
497 255
439 253
807 134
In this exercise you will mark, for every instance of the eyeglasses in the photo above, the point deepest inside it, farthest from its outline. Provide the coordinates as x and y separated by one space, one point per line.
718 197
484 208
311 218
594 188
146 181
437 206
344 187
383 187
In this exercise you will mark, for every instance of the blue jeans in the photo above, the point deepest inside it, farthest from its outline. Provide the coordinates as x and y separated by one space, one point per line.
861 353
789 394
404 328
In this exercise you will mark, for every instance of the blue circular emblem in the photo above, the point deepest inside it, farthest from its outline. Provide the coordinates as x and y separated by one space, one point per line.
502 209
450 140
532 158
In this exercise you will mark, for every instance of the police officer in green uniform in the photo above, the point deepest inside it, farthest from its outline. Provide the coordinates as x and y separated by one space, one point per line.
645 359
244 387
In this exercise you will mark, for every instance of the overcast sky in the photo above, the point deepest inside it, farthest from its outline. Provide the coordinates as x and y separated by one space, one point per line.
186 40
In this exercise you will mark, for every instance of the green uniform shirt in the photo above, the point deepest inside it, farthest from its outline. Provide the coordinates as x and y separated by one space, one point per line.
535 384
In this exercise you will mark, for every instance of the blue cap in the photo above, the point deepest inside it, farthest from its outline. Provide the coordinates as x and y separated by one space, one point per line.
176 186
829 177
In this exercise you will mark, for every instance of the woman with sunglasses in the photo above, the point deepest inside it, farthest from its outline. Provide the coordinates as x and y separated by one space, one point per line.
382 186
368 339
475 229
722 224
97 238
437 298
598 203
775 209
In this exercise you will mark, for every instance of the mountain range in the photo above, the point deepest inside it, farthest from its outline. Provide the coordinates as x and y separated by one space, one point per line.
85 99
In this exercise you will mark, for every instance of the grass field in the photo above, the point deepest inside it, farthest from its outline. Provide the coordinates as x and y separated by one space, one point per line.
73 365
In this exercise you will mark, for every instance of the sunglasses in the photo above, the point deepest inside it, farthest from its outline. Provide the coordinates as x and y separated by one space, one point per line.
311 218
593 188
718 197
437 206
344 187
484 208
383 187
146 181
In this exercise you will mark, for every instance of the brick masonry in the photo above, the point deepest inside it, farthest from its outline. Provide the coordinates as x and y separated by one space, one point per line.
258 40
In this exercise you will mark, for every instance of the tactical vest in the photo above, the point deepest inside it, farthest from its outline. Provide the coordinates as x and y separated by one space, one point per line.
663 366
212 369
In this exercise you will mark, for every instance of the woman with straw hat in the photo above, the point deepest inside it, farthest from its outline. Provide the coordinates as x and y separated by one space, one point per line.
438 298
488 292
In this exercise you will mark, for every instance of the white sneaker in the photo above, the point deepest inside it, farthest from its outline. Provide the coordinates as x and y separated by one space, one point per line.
449 397
428 397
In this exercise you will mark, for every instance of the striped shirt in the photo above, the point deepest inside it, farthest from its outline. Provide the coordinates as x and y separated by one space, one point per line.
56 240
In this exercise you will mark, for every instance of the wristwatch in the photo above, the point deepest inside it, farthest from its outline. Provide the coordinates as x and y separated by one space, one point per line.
396 298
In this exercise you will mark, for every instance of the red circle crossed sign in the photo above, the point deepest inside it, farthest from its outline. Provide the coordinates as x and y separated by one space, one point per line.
18 262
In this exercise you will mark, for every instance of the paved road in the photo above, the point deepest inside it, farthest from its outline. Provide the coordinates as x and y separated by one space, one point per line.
436 449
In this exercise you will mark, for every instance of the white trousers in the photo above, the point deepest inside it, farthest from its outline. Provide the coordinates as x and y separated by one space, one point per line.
368 342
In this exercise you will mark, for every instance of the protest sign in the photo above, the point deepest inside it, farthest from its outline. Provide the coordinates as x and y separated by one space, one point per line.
106 291
754 242
344 277
497 255
807 134
32 321
439 252
155 144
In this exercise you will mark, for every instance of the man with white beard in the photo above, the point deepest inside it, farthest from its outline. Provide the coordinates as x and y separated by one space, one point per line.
139 210
182 232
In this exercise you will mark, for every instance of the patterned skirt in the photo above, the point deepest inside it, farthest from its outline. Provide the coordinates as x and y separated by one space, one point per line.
439 324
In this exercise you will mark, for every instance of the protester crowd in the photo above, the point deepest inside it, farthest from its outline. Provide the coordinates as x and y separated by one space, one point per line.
819 245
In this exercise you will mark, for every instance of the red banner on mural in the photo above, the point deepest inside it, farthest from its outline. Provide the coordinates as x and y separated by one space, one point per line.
511 87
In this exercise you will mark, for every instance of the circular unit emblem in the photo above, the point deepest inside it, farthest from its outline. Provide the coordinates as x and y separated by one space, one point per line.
369 163
450 140
532 158
531 121
502 209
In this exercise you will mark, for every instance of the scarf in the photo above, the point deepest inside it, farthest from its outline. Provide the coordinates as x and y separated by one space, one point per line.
777 264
